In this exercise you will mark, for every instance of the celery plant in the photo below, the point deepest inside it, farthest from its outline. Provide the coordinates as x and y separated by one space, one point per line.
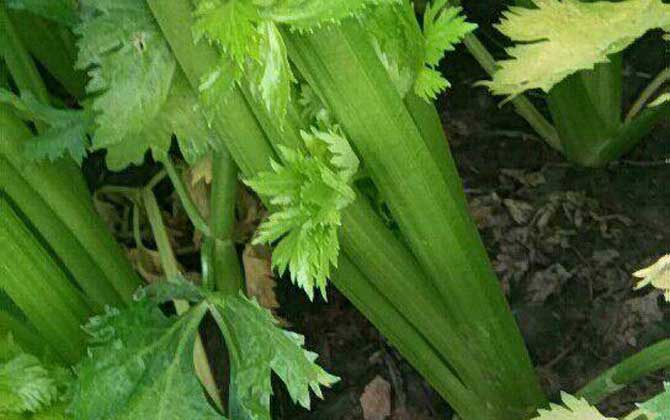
572 52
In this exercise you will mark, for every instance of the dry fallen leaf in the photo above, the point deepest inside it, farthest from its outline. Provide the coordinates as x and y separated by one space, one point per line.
376 399
260 280
656 275
201 171
547 282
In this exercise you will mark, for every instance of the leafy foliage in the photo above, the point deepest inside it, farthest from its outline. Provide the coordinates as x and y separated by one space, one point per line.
249 36
656 275
263 348
142 99
572 409
26 384
559 38
67 132
140 365
658 408
310 190
411 56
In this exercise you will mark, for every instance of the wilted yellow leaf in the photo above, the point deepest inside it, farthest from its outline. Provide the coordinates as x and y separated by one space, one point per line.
656 275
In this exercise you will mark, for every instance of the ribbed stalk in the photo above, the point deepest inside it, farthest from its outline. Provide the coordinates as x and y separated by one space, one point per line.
19 62
250 149
53 46
226 270
55 189
647 361
64 244
22 333
342 66
35 282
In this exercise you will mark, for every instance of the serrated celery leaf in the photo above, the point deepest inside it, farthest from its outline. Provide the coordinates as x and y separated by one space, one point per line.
140 366
180 115
67 132
264 348
61 11
26 384
310 193
272 75
130 65
559 38
573 408
247 34
658 408
411 55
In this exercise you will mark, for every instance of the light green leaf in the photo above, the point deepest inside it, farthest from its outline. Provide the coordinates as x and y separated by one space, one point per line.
26 384
130 65
658 408
231 24
259 349
310 192
182 116
572 409
559 38
429 83
443 28
61 11
273 77
411 56
67 132
661 100
140 366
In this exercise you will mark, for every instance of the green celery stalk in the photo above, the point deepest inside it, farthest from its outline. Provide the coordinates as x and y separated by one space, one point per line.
35 282
24 335
252 152
53 46
341 64
64 244
55 189
225 266
649 360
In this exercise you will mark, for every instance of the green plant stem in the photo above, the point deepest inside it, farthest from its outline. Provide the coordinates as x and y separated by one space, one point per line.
48 199
171 270
404 336
189 206
522 105
225 263
24 335
36 284
20 64
648 93
340 63
647 361
51 45
251 151
604 85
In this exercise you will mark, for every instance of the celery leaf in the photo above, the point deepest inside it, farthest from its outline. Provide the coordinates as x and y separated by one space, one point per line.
411 55
180 115
658 408
130 65
261 348
140 366
26 384
252 44
310 191
67 132
559 38
573 408
656 275
443 28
